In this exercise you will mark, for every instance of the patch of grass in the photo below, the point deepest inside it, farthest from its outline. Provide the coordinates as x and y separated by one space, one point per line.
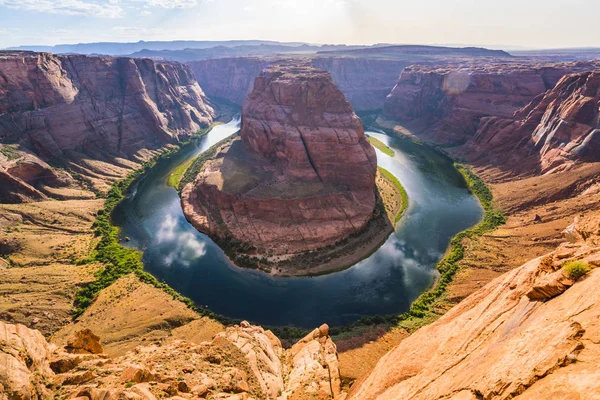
378 144
196 165
177 174
576 269
10 151
390 177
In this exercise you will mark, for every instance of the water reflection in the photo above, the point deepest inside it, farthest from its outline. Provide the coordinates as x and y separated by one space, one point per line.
386 282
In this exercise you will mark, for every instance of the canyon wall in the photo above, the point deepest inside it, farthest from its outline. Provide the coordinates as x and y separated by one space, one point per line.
230 79
60 107
365 82
302 177
444 104
551 133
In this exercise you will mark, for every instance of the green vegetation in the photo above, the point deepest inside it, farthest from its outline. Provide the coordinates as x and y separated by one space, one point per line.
378 144
119 261
195 166
177 175
10 151
422 311
576 269
390 177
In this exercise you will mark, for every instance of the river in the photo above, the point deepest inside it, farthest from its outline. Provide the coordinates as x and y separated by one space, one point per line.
387 282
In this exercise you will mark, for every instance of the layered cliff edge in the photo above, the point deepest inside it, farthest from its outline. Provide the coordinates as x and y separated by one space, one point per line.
444 104
77 108
553 133
300 178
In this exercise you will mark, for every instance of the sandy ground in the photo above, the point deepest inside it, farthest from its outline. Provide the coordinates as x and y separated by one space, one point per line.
130 312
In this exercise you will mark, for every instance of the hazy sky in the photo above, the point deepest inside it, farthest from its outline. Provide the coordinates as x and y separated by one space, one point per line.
527 23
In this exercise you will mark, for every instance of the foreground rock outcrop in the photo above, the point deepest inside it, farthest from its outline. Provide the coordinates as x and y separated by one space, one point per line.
530 334
302 176
552 133
63 107
244 362
444 104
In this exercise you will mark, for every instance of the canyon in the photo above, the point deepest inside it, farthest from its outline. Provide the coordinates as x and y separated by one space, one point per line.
300 178
513 323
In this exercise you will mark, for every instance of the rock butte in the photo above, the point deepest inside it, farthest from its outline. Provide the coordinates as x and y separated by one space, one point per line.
302 176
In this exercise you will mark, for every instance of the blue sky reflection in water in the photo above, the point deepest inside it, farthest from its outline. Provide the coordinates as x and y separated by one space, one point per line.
386 282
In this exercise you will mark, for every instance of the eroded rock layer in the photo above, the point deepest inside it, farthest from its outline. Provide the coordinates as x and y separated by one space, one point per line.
554 131
529 334
60 107
444 104
301 177
243 363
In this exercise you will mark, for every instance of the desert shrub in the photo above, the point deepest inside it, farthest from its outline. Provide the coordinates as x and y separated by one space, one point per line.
576 269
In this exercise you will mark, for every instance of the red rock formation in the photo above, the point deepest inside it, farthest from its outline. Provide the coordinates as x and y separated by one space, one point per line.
554 131
364 81
61 106
302 176
445 104
228 78
243 362
530 334
54 104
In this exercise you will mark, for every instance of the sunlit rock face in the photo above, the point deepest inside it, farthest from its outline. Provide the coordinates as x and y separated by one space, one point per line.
53 104
532 333
558 129
74 107
444 104
301 177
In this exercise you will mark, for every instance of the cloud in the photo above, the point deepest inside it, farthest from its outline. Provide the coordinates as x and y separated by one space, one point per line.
184 247
104 9
170 3
145 13
137 31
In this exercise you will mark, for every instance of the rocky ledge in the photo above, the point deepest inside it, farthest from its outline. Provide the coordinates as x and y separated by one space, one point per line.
243 363
300 178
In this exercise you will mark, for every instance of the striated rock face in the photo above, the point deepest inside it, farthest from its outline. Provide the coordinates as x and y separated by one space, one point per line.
530 334
554 131
302 176
446 103
365 82
55 104
228 78
244 362
55 107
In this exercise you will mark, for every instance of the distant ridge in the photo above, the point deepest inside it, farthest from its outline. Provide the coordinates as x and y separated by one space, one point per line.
421 50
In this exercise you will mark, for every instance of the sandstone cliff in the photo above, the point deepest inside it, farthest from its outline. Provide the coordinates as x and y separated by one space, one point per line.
530 334
364 81
557 129
444 104
243 363
228 78
302 177
55 107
